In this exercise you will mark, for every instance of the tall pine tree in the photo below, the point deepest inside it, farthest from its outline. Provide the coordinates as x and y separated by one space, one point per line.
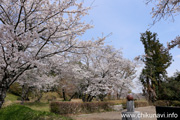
156 59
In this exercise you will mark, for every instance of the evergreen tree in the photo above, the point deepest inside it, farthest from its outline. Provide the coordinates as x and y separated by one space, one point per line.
171 88
156 59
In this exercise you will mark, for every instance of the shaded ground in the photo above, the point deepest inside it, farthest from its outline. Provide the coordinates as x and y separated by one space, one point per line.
115 115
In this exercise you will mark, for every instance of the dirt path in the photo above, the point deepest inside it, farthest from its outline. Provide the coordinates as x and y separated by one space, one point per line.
115 115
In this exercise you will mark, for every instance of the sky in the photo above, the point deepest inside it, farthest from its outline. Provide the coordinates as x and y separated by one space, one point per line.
126 19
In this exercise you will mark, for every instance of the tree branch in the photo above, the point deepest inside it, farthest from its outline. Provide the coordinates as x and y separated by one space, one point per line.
6 13
46 42
19 17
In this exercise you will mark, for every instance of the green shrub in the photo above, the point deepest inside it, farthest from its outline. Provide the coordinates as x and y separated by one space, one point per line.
96 106
75 107
167 103
106 106
175 103
89 107
19 98
65 107
50 96
15 89
19 112
141 103
161 103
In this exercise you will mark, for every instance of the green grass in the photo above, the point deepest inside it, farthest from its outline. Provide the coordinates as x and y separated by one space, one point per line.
38 106
11 97
28 111
19 112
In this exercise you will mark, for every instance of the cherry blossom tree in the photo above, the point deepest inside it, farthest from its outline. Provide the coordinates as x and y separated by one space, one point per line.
164 9
103 70
32 31
37 80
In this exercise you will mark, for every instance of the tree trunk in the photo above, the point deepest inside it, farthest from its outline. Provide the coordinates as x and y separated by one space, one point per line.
89 96
7 81
91 99
3 91
101 97
120 94
73 96
84 98
117 96
64 95
39 96
24 96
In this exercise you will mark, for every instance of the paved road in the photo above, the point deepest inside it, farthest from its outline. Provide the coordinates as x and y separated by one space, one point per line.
115 115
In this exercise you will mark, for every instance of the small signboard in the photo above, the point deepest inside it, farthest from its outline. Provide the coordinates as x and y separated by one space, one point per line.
167 113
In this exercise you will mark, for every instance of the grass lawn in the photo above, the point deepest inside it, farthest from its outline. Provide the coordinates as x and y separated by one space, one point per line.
38 106
12 110
35 110
20 112
11 97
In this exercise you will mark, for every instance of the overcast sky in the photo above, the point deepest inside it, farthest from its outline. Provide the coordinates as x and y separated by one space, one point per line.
126 19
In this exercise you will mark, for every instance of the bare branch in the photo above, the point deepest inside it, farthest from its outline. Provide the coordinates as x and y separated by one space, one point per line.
6 13
19 17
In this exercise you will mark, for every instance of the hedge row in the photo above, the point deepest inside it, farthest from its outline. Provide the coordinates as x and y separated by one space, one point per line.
167 103
74 107
141 103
